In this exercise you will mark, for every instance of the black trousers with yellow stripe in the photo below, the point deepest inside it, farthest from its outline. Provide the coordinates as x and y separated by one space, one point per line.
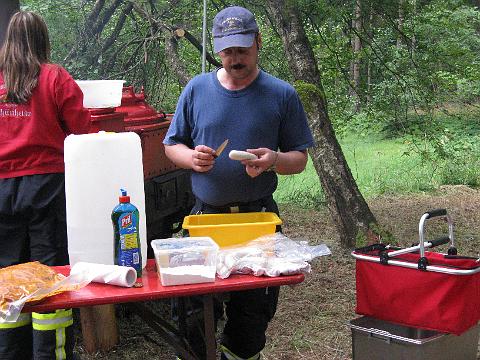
39 336
53 335
33 227
16 339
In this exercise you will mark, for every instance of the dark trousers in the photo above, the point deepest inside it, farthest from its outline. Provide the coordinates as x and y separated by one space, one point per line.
33 220
248 312
33 228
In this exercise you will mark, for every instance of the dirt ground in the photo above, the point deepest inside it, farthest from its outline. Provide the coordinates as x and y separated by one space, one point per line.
312 318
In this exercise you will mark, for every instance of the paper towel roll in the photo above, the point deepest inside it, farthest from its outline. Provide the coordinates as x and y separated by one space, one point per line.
106 274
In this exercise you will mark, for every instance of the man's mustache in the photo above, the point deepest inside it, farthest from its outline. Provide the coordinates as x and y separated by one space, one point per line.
238 66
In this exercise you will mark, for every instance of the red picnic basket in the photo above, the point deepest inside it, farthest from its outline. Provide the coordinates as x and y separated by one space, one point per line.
419 288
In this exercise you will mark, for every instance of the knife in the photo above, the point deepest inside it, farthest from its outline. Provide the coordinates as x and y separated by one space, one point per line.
220 148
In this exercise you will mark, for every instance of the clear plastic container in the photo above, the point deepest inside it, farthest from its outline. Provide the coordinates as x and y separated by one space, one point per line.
189 260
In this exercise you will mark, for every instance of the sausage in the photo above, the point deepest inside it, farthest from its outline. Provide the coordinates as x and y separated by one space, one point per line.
241 155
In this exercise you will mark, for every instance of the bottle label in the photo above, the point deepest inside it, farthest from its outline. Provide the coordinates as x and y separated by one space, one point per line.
129 252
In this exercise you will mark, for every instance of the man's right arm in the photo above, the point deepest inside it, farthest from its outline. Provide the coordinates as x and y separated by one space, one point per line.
200 159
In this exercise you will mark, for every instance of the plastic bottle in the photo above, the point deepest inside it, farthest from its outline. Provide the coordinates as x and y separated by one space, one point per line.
94 165
126 237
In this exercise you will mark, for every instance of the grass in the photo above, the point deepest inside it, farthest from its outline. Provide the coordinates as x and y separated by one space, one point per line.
379 166
393 165
383 167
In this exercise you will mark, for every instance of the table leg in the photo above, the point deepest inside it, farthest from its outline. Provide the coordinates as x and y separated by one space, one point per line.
99 327
209 322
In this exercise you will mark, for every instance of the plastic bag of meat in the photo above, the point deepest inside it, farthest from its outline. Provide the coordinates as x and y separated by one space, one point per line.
30 282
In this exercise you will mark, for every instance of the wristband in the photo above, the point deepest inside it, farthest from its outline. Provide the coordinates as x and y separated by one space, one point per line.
273 167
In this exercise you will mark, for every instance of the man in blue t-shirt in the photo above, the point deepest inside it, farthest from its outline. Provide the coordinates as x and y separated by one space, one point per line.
257 113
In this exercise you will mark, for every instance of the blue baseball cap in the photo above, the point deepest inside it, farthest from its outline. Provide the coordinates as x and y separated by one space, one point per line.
234 26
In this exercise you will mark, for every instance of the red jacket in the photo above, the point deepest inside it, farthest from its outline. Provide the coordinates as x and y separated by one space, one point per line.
32 134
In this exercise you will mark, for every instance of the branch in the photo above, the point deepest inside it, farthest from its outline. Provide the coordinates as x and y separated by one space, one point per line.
92 29
193 40
144 14
118 27
99 26
93 17
171 47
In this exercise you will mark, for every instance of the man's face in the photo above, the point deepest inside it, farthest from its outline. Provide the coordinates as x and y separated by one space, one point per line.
240 62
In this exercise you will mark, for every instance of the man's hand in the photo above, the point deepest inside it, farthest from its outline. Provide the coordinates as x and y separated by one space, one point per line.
202 158
266 158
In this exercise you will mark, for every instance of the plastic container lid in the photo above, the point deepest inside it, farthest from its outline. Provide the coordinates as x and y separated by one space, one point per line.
124 198
184 244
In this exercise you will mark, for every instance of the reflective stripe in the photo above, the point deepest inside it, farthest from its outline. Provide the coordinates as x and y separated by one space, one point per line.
56 314
60 340
231 356
52 321
23 319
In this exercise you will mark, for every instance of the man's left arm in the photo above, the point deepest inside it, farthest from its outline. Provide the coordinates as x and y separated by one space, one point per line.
283 163
291 162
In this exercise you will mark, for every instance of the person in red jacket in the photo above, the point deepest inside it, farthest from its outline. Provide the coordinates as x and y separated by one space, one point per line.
40 104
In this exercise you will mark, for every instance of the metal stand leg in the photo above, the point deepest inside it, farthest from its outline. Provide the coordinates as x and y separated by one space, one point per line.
182 316
170 334
176 337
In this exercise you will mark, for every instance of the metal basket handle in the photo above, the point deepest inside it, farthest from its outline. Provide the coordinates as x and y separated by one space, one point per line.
422 262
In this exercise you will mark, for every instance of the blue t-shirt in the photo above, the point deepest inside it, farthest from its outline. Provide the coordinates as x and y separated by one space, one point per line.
268 113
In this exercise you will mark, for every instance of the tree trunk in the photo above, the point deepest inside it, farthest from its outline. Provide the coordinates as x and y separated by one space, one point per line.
356 47
171 47
7 9
369 62
401 20
350 212
414 39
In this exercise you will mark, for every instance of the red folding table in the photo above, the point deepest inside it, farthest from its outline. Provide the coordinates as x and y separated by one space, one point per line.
100 294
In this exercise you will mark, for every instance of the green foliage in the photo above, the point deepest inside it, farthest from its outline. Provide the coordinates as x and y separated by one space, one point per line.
443 65
62 18
361 240
374 234
461 159
382 234
464 172
363 124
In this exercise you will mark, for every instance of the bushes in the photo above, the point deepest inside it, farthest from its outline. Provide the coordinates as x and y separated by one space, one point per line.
461 164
